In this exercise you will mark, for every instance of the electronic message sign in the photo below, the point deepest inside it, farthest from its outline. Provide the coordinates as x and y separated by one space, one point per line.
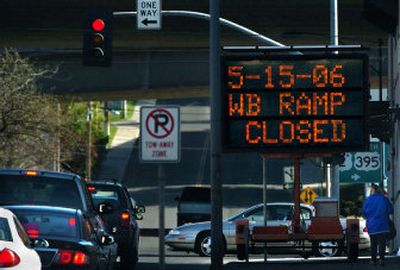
294 103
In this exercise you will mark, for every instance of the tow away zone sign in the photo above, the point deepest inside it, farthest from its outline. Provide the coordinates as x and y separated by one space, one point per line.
148 14
159 134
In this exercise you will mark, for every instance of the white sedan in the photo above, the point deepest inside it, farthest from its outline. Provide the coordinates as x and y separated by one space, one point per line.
15 249
196 236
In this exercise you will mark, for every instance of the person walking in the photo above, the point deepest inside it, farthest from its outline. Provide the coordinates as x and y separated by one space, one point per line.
377 210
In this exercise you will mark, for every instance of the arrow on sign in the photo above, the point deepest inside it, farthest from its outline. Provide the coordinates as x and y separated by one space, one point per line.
147 22
355 177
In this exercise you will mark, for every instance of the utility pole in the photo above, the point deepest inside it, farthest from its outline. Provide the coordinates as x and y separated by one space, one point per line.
57 154
215 136
106 119
333 185
88 142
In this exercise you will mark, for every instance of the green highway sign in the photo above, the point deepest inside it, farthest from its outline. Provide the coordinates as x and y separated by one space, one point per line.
364 167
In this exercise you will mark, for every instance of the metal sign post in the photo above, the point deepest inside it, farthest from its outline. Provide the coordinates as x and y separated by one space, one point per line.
265 200
160 143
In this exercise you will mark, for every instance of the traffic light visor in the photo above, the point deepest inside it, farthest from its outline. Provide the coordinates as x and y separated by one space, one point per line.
98 25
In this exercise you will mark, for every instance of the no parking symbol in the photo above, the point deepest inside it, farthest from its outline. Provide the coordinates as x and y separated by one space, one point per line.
159 134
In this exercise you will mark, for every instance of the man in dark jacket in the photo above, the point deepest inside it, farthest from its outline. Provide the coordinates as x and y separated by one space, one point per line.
377 210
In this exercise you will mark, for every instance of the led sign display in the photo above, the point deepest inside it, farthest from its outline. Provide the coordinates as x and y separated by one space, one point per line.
294 103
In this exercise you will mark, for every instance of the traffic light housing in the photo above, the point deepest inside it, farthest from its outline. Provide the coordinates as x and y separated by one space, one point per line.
97 39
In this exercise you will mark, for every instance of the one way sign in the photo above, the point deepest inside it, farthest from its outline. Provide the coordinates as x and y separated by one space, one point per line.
148 14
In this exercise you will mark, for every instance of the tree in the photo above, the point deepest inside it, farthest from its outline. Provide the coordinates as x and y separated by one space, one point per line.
29 125
38 127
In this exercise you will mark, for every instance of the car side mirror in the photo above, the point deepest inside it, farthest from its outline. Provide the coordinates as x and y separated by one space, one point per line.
40 243
107 239
105 208
139 210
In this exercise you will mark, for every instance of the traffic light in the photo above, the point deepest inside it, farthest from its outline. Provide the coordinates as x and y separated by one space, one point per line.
97 39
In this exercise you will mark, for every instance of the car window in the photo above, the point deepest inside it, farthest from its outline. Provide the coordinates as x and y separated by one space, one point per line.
255 215
195 194
88 196
21 189
89 231
111 195
5 234
279 212
22 234
48 224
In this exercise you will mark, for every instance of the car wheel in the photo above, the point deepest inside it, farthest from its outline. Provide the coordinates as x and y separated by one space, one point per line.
328 248
203 244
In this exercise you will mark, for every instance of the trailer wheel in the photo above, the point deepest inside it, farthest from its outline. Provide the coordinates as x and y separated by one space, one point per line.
328 248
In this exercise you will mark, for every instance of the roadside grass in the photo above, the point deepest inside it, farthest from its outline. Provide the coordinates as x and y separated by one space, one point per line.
115 118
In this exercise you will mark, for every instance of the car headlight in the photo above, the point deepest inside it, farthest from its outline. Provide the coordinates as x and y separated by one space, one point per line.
174 232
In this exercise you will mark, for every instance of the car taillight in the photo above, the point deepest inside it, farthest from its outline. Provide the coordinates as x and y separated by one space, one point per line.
365 229
72 222
91 188
125 219
33 233
72 257
80 258
64 256
8 258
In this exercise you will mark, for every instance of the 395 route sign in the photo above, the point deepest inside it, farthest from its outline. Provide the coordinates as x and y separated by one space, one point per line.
294 103
159 134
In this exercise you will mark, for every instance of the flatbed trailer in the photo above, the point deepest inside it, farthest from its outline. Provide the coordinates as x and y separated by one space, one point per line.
325 226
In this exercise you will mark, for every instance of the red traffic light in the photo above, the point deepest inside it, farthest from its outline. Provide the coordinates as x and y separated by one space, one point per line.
98 25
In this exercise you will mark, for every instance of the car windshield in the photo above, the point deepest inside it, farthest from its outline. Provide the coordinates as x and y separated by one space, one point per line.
40 224
37 190
109 194
5 234
274 212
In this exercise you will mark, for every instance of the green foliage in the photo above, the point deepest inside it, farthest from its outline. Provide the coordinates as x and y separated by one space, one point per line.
75 124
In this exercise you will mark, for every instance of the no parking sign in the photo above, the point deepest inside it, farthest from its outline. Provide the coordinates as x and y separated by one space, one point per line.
159 134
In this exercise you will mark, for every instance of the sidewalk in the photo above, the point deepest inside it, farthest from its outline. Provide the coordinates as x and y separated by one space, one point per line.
114 164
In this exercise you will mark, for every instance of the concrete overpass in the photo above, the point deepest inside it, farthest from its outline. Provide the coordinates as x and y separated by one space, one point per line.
172 62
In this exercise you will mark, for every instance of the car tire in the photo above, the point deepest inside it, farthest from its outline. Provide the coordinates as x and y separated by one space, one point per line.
203 244
328 248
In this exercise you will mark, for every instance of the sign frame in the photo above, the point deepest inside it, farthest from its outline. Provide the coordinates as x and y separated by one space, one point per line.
173 137
299 149
148 22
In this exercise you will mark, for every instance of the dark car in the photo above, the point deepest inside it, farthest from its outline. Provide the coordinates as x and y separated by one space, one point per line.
119 212
36 187
194 205
66 238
